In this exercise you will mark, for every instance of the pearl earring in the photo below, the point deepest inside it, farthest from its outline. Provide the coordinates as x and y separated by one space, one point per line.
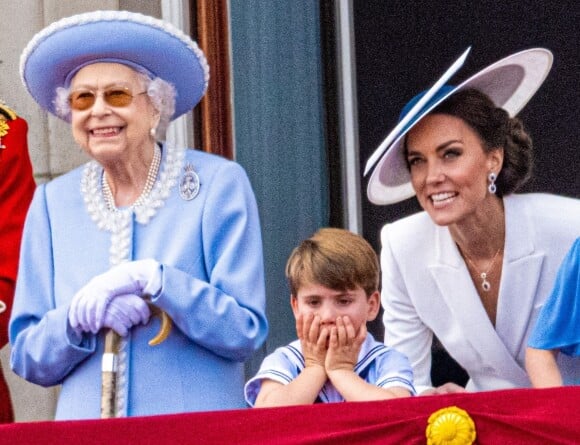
153 132
492 187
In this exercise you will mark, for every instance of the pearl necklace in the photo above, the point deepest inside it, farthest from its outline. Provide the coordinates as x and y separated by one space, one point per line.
149 183
118 221
485 285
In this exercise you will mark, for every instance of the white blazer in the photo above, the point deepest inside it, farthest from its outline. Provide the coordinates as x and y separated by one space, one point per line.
427 289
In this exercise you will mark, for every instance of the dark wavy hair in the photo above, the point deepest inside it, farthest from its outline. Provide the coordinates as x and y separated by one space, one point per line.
495 129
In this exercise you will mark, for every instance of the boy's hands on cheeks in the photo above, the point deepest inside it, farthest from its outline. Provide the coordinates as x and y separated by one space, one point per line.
344 345
343 350
313 339
305 387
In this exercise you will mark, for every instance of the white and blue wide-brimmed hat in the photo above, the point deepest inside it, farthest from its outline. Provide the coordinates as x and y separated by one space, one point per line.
509 83
147 44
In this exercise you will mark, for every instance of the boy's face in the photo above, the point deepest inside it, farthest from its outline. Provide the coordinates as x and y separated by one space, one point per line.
329 304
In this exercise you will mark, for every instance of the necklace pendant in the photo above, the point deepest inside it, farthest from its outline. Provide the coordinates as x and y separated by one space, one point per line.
485 285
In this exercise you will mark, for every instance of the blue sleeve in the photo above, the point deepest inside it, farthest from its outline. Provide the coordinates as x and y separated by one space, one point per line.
277 367
227 314
44 351
558 325
394 370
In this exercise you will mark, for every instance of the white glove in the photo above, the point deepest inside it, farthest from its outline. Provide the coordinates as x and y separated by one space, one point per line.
88 306
124 312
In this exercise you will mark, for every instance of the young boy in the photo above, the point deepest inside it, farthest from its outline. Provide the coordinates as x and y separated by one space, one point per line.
333 278
558 327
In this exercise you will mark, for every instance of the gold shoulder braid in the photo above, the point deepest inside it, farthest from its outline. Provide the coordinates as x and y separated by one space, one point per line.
6 114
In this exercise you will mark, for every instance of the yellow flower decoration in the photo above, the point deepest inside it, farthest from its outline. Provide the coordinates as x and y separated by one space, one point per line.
3 127
450 426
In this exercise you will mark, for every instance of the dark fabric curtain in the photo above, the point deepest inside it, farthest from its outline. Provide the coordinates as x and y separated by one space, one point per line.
279 134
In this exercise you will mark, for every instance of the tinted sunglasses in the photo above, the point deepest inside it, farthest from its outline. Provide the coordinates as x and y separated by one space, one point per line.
114 96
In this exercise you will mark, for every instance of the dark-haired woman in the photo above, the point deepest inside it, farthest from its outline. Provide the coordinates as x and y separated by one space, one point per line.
474 268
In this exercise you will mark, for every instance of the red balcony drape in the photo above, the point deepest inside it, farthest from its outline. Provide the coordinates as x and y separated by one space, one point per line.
521 416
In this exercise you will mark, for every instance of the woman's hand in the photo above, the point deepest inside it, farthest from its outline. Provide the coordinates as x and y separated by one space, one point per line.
542 368
89 305
124 312
313 339
447 388
344 345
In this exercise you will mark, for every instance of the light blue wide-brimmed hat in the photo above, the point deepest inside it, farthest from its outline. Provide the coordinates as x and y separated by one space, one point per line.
510 83
147 44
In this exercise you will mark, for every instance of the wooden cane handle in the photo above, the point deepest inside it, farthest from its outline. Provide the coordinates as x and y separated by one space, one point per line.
166 325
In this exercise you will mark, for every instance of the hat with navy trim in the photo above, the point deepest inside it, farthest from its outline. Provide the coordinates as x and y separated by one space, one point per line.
510 83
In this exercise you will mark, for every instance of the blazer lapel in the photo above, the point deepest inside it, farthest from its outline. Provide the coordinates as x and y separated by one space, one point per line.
520 277
459 294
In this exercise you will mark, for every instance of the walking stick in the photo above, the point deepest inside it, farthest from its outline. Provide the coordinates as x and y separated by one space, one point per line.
110 363
109 375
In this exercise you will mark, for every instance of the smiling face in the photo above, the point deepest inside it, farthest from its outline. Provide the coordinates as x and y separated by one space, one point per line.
449 168
330 303
106 132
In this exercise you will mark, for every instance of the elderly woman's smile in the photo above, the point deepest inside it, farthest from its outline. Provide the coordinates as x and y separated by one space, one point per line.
106 132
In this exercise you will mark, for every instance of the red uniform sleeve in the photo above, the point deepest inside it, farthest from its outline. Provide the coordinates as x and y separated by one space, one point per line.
16 189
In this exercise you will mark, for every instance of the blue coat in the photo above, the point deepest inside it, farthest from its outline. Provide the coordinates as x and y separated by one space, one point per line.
427 290
213 289
558 325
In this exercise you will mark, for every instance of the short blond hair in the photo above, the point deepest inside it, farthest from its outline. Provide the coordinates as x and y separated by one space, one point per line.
334 258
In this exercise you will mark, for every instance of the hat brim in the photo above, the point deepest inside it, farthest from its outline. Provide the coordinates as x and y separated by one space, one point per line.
160 49
510 83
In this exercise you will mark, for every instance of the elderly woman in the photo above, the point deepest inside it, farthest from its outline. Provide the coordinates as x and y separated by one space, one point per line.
143 225
474 268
